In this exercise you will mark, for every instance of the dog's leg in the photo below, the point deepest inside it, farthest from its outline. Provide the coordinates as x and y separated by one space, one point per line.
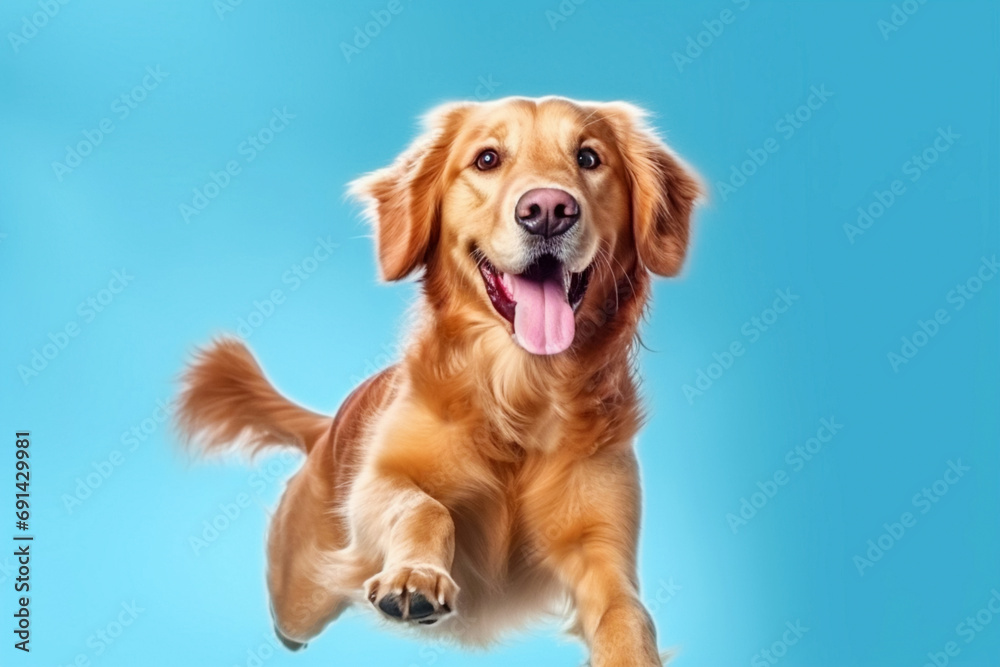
396 521
591 530
617 627
416 536
303 599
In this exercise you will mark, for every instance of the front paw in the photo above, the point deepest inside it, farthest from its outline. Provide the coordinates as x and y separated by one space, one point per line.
416 593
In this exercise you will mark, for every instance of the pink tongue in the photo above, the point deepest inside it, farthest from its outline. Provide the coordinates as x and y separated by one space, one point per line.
543 318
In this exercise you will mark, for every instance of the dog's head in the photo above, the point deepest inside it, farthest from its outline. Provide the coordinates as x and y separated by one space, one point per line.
534 210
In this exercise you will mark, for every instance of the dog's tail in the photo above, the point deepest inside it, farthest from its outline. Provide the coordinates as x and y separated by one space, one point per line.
226 402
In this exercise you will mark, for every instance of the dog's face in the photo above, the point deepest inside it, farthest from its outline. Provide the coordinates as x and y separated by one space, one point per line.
532 210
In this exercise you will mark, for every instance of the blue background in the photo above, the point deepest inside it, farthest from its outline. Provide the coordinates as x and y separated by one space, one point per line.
719 596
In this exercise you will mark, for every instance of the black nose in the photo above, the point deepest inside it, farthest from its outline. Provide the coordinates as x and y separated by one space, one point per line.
547 211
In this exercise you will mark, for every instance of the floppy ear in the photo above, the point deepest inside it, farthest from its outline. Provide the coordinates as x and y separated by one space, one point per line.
664 192
403 200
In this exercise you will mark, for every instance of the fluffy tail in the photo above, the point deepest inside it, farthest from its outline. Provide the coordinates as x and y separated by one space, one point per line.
226 402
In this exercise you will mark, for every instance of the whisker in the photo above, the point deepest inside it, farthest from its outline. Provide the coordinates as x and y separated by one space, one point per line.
589 116
624 273
479 256
604 255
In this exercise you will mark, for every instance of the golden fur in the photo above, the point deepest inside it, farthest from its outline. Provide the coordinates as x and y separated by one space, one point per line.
495 484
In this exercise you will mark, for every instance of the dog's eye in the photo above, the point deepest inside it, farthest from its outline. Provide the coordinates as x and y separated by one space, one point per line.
487 160
587 158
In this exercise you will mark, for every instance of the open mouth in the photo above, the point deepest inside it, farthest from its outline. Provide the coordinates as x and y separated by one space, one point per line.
541 302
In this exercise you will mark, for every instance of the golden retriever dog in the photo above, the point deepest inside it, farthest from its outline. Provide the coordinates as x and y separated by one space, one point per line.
488 478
